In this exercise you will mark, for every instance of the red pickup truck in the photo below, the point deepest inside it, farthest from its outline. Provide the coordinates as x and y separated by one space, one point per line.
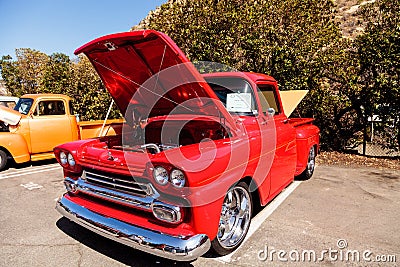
196 155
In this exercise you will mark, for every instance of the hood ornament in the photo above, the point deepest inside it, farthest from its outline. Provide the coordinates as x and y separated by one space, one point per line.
110 156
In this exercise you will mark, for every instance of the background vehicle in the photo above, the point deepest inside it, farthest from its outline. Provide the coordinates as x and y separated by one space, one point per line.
8 101
196 155
39 123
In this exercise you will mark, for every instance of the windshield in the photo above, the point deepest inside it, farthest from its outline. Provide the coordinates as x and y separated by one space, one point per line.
24 105
235 93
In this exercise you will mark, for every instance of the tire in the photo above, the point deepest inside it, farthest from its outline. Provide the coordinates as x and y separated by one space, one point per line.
309 171
3 160
235 219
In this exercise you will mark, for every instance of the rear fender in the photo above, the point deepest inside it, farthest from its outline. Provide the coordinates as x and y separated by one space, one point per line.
306 137
16 146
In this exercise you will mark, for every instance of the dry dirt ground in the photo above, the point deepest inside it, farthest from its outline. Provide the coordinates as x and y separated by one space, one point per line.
351 160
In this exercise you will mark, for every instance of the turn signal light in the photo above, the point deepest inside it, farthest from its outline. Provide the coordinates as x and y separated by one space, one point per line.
167 213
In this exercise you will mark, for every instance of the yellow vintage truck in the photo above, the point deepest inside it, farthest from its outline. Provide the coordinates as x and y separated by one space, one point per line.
39 122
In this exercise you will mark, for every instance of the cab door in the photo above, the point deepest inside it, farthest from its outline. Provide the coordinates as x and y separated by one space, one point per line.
50 125
284 137
284 164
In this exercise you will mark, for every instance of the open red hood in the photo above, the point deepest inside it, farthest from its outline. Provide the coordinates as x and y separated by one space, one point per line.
148 70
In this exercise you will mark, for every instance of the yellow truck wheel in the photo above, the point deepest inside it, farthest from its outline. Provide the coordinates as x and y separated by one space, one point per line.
3 159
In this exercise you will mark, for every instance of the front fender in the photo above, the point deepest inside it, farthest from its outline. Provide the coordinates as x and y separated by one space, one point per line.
16 145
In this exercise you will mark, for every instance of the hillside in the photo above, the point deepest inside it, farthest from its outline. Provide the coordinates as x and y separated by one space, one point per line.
350 22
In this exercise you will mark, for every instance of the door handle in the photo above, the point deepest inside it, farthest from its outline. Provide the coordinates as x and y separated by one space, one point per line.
263 121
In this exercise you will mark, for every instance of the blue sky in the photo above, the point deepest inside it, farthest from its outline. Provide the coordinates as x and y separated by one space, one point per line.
52 26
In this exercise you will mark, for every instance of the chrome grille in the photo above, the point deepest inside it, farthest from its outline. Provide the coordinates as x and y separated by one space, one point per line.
118 182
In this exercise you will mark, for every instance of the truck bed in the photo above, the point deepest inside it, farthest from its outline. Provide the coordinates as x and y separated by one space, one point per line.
300 121
90 129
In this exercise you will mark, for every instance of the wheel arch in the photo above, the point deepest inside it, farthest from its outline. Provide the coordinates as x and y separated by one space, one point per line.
232 220
5 150
254 191
305 173
15 146
302 155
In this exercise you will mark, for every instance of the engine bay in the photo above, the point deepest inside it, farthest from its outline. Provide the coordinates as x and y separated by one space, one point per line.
161 135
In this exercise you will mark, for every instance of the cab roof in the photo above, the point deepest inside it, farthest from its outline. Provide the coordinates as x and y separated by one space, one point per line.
253 76
47 96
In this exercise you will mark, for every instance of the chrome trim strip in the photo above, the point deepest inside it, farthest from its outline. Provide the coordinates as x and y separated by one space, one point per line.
109 180
166 246
114 185
115 196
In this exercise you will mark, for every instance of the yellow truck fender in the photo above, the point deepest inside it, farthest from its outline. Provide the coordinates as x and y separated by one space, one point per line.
15 146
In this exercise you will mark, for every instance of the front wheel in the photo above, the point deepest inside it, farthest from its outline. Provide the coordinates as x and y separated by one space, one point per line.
234 220
3 159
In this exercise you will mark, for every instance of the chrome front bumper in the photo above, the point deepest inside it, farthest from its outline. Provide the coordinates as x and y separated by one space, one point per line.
153 242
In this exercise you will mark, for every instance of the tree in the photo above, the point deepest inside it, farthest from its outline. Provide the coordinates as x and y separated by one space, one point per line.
301 45
91 99
24 76
10 75
35 72
281 38
31 64
379 77
335 103
363 74
291 40
57 76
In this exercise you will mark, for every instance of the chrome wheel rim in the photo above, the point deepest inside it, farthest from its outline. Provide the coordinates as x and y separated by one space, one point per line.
311 161
235 217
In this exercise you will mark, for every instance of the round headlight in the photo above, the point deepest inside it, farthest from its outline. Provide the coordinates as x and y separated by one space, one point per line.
71 160
178 178
160 174
63 158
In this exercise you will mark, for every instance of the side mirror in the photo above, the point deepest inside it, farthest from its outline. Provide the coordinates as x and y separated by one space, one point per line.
271 112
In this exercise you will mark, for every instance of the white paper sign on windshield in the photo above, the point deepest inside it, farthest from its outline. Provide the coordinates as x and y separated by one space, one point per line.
236 102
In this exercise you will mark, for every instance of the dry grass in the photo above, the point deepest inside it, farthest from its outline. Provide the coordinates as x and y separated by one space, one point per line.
336 158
